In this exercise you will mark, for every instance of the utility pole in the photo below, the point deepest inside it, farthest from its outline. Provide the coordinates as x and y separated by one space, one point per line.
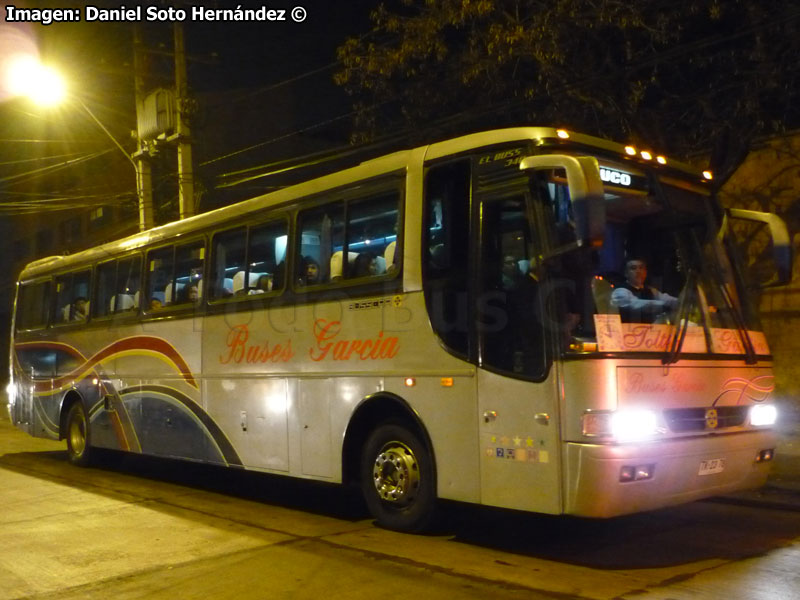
144 180
185 175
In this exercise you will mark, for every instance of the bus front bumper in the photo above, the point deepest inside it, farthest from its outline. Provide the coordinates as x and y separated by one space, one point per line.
598 484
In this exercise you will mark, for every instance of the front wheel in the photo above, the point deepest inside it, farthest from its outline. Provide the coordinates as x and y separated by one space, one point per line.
79 451
397 479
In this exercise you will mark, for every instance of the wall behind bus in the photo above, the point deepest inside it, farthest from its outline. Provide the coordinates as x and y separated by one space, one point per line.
769 180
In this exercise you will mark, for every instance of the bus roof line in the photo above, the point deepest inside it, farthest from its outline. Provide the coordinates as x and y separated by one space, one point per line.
365 170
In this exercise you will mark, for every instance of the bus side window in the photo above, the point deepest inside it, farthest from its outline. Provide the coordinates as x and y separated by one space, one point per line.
266 257
174 275
126 288
372 225
321 236
106 281
118 287
445 253
189 260
159 276
228 264
32 306
71 297
63 300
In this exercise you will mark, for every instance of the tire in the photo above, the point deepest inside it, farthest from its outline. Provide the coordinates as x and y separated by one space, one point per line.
397 479
79 449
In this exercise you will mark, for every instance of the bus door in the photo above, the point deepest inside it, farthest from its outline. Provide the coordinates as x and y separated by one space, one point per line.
517 406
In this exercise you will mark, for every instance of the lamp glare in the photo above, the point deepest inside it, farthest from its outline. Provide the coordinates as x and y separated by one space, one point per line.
26 76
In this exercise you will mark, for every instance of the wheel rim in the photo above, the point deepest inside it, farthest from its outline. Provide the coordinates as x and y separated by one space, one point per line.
77 433
396 474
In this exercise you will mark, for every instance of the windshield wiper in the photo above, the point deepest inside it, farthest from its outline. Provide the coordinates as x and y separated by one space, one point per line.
685 306
741 326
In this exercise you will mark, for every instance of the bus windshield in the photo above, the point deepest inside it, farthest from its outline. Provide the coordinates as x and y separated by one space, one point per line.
661 282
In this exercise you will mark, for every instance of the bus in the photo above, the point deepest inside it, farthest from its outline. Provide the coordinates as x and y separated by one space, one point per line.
440 323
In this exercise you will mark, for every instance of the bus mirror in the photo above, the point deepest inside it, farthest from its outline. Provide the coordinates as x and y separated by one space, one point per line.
781 242
585 191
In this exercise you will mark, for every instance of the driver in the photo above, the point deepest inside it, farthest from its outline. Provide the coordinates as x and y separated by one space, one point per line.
637 302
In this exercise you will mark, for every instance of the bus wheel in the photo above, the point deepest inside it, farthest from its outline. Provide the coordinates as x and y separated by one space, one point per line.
79 451
397 479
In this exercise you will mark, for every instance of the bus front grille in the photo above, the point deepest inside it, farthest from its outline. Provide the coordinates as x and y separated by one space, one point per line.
682 420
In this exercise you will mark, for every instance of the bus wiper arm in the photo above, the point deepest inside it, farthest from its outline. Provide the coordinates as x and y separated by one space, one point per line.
685 305
741 326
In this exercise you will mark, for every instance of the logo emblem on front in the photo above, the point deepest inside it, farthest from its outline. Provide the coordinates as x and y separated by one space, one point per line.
712 419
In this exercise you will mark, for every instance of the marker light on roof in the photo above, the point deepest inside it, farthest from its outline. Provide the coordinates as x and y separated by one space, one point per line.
708 175
661 160
646 155
562 134
630 150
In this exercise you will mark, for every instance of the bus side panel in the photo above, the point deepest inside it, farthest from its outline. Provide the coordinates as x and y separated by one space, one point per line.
333 356
46 371
521 449
247 389
152 399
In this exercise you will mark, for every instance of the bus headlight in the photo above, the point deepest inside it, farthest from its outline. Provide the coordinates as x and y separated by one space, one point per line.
623 425
763 414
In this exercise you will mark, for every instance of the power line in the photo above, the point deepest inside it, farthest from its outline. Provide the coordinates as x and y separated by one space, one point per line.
38 159
21 177
36 141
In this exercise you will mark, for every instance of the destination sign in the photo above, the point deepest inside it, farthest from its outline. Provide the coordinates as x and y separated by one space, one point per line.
615 177
621 179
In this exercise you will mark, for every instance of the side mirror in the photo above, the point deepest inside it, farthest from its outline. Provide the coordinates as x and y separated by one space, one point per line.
781 242
585 192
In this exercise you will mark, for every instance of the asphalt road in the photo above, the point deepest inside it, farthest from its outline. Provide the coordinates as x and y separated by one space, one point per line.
154 529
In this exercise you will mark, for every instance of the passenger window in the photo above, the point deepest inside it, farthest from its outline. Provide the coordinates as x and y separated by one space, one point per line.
71 298
356 239
174 276
267 258
118 287
32 306
321 236
372 226
229 260
189 273
249 261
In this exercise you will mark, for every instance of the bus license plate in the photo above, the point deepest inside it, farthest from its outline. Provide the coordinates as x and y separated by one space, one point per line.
709 467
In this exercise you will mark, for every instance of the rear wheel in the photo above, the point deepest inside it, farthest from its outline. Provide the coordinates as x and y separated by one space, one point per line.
397 479
79 450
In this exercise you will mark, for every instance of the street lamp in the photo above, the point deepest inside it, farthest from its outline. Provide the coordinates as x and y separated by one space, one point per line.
26 76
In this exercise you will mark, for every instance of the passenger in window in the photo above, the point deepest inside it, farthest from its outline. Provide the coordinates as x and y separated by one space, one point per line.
365 265
638 303
263 285
155 304
309 271
80 308
192 293
511 276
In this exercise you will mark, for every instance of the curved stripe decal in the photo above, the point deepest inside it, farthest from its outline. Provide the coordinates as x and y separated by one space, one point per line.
226 448
140 345
756 389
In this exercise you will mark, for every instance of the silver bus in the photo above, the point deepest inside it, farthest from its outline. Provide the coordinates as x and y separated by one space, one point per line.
448 322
